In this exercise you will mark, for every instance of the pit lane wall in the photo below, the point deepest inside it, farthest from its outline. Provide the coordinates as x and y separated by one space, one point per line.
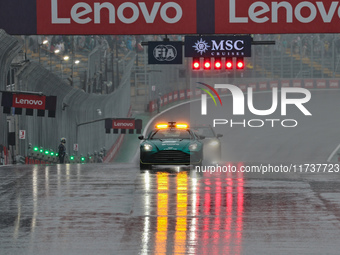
75 109
189 94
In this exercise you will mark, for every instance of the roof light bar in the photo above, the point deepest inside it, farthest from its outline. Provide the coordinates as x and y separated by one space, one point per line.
160 126
182 126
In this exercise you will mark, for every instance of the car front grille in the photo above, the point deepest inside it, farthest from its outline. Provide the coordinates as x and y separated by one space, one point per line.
171 156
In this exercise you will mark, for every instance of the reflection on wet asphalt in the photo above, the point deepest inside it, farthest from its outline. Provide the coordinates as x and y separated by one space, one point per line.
116 209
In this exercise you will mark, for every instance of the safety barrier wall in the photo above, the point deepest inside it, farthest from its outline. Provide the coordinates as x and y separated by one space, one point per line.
75 109
3 155
9 48
180 95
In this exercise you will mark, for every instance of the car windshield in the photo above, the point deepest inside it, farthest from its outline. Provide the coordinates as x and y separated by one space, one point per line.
204 131
171 134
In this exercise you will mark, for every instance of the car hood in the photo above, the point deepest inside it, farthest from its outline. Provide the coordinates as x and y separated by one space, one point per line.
176 144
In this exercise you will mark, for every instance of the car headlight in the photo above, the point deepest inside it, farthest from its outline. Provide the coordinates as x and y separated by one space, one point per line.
193 146
213 143
147 147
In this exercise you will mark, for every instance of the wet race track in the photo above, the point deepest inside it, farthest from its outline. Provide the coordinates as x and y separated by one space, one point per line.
118 209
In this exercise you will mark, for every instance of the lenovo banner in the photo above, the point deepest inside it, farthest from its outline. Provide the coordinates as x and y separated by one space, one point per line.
269 16
169 16
123 123
29 101
116 17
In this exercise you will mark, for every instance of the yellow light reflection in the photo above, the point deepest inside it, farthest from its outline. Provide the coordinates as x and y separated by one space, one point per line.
162 213
162 181
181 219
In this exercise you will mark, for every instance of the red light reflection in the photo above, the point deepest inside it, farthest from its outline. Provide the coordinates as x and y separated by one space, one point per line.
203 216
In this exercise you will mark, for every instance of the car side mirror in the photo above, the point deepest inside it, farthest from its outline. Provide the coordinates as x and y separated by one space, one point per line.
219 135
141 137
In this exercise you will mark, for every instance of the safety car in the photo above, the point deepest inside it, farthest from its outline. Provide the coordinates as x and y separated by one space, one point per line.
171 144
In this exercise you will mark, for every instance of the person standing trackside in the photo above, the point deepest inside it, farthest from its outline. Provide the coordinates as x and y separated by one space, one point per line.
62 150
159 102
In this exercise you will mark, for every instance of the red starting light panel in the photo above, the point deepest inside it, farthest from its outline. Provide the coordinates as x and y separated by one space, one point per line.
239 63
218 64
207 63
229 63
196 64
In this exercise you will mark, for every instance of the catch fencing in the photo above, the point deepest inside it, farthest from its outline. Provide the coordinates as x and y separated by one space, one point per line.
9 48
79 115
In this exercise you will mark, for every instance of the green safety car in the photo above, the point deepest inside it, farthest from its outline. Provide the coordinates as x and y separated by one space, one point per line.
171 144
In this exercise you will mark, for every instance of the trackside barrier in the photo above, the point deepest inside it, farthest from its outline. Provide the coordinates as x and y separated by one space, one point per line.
273 84
165 100
189 94
3 155
175 95
253 85
198 93
285 84
170 97
242 87
180 95
321 84
309 84
263 86
333 84
297 84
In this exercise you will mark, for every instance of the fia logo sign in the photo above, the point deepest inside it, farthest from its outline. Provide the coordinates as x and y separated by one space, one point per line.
165 53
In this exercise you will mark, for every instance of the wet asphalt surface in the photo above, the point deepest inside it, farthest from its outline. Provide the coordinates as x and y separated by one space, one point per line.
118 209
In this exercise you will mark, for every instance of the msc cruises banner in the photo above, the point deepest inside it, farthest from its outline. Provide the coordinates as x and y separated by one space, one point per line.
168 16
218 46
